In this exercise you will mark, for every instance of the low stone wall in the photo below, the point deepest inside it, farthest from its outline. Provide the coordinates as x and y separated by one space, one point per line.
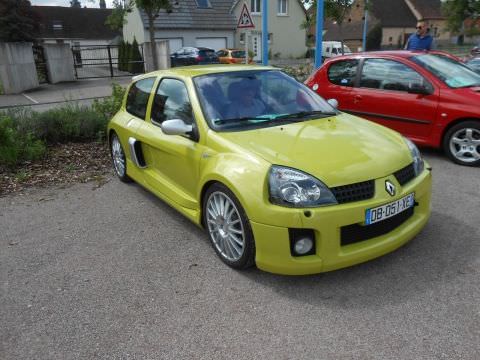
59 60
17 68
163 53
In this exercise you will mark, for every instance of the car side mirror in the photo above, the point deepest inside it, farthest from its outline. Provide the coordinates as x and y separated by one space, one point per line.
333 103
419 89
176 127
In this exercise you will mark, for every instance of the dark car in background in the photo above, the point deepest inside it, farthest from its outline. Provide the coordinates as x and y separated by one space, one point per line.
193 56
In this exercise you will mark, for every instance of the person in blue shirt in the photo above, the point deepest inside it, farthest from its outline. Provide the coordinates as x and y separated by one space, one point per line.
421 40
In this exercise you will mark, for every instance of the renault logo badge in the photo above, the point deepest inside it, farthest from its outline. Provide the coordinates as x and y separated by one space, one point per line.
390 188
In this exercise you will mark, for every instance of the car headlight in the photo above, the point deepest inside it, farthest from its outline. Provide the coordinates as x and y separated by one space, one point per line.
294 188
418 163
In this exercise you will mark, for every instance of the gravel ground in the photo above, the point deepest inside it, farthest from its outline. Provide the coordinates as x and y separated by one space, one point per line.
111 272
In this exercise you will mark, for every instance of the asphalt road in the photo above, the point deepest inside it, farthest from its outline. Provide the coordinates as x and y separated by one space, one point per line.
114 273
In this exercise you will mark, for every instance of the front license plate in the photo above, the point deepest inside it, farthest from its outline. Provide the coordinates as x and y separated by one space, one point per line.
388 210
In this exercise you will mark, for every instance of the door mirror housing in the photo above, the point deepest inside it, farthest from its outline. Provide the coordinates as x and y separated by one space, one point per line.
419 89
333 103
176 127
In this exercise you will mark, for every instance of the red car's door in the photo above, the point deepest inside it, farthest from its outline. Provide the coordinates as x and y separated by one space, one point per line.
340 78
385 94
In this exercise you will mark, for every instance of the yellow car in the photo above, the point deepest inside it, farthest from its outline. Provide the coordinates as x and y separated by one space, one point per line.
274 173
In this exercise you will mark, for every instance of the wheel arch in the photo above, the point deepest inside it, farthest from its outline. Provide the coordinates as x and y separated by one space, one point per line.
456 122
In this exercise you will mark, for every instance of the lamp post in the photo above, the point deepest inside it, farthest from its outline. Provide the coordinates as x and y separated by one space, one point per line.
365 25
319 34
265 32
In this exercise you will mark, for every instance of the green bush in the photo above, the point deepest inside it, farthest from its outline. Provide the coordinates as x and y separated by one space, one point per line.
17 146
108 107
136 60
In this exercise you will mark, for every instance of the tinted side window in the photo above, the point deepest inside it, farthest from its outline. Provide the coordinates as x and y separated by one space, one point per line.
389 75
138 95
343 72
171 102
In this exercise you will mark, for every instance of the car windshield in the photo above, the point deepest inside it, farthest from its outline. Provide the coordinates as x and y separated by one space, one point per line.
243 100
451 72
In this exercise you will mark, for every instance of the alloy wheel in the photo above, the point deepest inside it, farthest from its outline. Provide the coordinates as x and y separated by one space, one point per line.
225 226
118 156
465 145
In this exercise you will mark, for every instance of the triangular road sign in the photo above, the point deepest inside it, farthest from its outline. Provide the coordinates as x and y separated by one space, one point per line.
245 21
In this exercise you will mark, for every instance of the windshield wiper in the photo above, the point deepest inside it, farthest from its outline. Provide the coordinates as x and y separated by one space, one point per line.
241 119
304 114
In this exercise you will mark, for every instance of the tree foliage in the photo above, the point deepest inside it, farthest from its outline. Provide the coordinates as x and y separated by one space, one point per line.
117 18
75 4
17 21
457 11
336 10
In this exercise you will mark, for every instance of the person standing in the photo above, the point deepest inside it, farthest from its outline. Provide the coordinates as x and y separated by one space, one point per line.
421 40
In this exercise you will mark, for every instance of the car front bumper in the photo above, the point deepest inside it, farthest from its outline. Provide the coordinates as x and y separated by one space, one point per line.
272 242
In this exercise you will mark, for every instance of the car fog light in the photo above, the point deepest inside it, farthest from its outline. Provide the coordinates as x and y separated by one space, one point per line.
303 246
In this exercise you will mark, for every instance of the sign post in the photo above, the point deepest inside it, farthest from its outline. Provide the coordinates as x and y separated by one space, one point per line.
245 22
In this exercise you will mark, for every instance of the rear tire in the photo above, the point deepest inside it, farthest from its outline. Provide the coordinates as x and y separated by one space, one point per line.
119 159
462 143
228 227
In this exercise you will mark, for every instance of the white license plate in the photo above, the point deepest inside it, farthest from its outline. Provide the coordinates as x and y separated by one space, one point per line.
386 211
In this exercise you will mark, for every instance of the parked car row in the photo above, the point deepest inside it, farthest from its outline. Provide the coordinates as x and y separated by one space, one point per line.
203 56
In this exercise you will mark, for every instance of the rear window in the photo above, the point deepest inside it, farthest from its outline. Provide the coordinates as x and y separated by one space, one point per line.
238 54
138 95
206 53
343 72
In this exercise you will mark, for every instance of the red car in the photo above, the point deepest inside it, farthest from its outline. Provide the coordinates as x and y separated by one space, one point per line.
429 97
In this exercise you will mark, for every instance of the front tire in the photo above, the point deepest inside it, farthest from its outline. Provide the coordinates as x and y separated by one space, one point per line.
119 159
228 227
462 143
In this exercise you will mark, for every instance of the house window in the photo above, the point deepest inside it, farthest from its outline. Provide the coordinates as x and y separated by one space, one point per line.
203 4
282 8
270 38
255 6
57 25
242 38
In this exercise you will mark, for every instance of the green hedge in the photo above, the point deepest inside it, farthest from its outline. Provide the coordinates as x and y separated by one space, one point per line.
24 134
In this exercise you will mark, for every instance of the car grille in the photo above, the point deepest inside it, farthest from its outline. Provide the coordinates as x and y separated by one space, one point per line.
351 234
354 192
405 174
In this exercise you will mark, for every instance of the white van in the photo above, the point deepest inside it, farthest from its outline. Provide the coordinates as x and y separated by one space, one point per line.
334 48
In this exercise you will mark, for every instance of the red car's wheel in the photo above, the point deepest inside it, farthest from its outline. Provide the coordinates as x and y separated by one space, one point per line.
462 143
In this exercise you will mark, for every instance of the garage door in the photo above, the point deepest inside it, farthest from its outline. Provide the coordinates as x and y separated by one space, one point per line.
174 44
212 43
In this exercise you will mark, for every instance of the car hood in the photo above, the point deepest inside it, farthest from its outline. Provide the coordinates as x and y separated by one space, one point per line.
338 150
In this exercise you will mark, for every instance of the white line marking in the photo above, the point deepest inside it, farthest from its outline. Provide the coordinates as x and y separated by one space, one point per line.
30 98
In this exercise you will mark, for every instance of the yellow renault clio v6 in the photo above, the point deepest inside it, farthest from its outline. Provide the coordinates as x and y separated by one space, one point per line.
276 176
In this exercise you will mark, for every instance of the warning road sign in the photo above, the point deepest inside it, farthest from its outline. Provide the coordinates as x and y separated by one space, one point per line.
245 21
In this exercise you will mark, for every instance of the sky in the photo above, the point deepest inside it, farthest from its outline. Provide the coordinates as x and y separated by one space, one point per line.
88 3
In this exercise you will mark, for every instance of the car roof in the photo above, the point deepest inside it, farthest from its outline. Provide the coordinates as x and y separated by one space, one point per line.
198 70
392 54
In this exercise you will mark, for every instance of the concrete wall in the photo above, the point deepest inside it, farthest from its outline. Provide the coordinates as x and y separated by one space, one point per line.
59 62
17 68
163 54
288 39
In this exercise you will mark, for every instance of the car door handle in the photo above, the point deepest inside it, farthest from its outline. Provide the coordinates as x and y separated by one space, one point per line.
357 99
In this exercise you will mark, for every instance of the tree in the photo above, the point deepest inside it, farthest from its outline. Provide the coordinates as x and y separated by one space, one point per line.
102 4
337 10
75 4
117 18
136 61
457 11
374 38
152 10
17 21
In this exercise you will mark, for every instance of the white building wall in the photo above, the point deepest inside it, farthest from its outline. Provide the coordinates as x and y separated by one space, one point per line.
288 39
189 37
134 28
